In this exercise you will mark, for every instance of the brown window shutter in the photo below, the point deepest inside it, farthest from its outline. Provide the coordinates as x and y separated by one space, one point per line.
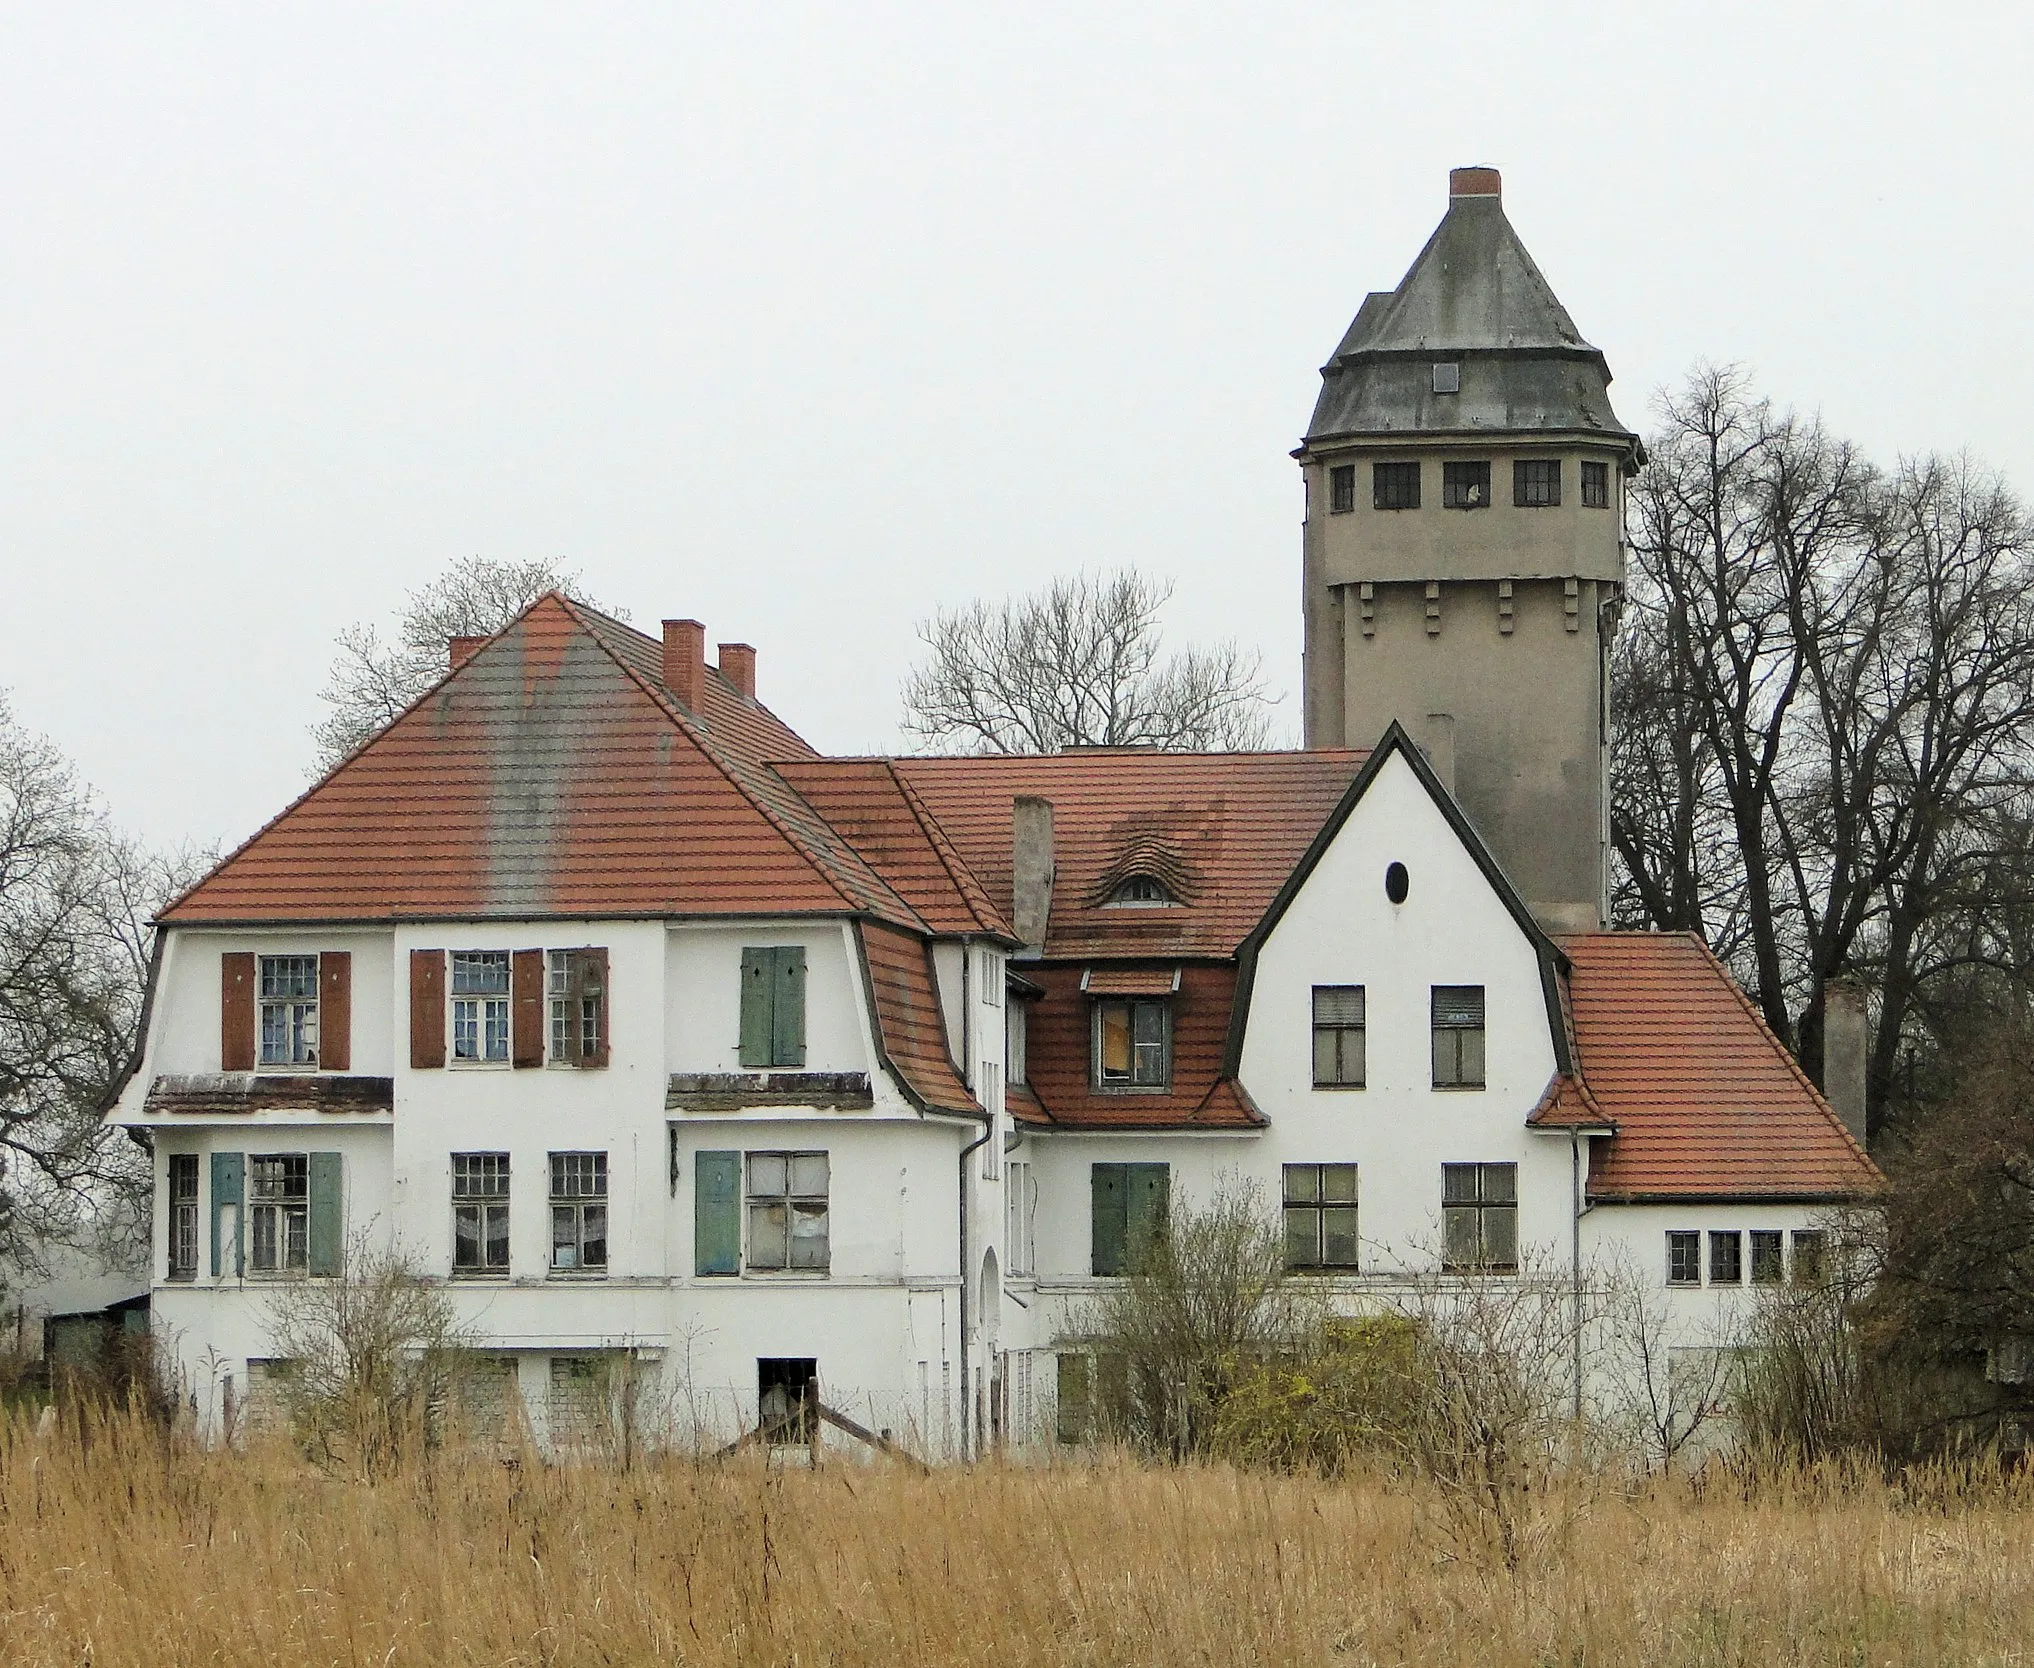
526 1007
335 1010
236 1011
427 1009
593 986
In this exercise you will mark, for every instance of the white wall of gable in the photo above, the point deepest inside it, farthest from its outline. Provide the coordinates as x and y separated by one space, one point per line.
1452 929
703 1003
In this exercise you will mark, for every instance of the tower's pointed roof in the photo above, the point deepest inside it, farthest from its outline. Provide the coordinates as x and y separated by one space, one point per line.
1475 300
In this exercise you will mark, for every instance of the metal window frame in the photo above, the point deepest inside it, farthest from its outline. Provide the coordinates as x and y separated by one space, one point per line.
1458 475
1387 476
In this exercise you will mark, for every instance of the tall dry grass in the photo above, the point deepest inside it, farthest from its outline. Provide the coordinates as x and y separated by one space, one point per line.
118 1546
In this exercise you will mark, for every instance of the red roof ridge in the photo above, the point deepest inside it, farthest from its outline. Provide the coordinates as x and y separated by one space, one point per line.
710 748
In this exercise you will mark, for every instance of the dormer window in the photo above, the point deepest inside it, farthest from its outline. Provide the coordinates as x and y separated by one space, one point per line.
1141 892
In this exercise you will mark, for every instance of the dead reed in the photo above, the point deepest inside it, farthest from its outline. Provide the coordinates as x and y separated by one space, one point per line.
119 1546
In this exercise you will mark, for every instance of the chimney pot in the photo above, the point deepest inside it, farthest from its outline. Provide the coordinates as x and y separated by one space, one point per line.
463 649
685 663
1475 182
738 666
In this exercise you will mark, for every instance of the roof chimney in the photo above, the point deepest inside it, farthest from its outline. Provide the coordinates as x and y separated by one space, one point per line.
738 666
1845 1042
1475 182
1031 871
463 649
685 662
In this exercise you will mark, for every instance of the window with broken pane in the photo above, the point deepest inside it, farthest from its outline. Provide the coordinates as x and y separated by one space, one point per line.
480 1005
1133 1043
279 1201
289 1010
579 1212
787 1210
1479 1218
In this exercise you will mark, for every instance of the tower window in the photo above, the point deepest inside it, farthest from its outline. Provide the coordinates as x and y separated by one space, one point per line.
1395 486
1536 483
1341 489
1465 486
1596 486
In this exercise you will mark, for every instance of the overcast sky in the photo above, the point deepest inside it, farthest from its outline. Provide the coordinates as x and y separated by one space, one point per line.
806 320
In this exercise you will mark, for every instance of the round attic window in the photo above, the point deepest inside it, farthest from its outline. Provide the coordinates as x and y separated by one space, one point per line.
1397 883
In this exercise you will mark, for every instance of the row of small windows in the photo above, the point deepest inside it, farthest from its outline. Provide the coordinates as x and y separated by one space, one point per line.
1465 485
1767 1264
1479 1216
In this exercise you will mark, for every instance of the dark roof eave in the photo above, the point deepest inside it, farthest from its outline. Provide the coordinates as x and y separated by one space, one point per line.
1727 1196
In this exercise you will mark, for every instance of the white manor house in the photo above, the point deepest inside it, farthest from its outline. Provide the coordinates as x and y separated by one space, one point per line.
786 1079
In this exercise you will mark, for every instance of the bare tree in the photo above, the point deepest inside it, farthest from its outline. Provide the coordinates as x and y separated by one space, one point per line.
371 681
1825 687
75 903
1081 663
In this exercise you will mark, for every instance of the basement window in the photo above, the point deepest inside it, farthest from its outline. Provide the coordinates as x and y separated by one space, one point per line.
787 1400
1465 486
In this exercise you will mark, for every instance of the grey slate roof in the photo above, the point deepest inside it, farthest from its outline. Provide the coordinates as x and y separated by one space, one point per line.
1475 298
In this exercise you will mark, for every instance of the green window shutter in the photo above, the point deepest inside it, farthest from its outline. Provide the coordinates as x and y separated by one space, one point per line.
787 1025
229 1176
1110 1186
1148 1194
757 990
717 1213
328 1213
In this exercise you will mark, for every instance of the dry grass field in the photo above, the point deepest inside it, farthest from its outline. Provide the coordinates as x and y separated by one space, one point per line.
118 1548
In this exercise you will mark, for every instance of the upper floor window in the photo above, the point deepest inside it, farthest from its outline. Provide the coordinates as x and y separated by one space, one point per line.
289 1010
579 1212
480 1005
1133 1043
1465 486
1320 1215
1479 1218
1338 1036
788 1208
773 1006
575 985
1596 486
1142 891
183 1216
480 1213
1458 1036
1536 483
1341 489
1395 486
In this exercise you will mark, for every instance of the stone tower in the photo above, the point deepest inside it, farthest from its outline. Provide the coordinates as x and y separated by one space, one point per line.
1464 547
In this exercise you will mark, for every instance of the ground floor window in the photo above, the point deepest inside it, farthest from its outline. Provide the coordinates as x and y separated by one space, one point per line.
1320 1215
1479 1212
183 1216
279 1201
787 1205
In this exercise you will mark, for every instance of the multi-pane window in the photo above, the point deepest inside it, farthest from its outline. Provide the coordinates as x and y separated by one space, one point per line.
1479 1217
1768 1267
1338 1036
1596 486
183 1216
1810 1255
1019 1242
1320 1215
1133 1043
289 1010
1684 1257
787 1204
1395 486
480 1213
992 1103
480 1005
1341 489
1536 483
1465 486
579 1212
574 988
1726 1258
1458 1036
279 1201
989 975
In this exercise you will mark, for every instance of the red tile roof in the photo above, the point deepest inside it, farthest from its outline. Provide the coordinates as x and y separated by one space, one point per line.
908 1022
1223 830
1706 1101
551 774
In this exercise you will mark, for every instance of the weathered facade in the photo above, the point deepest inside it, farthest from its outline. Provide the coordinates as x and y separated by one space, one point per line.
1464 547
